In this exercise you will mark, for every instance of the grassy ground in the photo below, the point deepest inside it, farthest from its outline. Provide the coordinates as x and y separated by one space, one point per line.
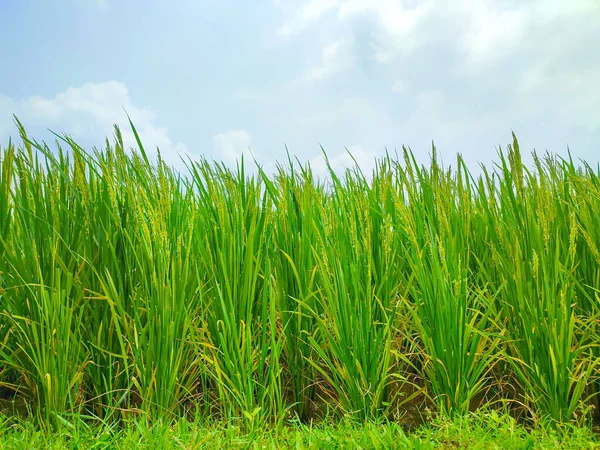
482 430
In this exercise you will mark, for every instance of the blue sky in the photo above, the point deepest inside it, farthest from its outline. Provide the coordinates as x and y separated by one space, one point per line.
216 78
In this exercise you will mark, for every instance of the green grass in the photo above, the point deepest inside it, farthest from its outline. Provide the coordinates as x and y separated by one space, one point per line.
490 430
133 294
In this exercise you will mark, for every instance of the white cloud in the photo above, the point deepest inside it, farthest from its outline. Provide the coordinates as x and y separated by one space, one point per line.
577 95
42 108
310 11
336 57
478 68
488 31
231 145
90 111
314 9
399 27
399 87
492 33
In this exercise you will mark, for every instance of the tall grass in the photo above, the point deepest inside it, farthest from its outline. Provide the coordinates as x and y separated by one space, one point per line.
356 260
128 288
242 347
451 312
296 199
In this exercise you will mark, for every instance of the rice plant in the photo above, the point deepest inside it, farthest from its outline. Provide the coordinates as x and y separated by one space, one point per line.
296 198
129 288
235 277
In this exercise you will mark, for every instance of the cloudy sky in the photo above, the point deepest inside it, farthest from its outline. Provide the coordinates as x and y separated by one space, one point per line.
217 77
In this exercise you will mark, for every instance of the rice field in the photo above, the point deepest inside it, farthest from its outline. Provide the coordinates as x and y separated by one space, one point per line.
128 289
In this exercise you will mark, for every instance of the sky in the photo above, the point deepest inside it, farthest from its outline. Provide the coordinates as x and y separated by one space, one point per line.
220 79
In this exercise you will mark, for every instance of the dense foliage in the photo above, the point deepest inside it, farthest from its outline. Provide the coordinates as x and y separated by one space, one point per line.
127 288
